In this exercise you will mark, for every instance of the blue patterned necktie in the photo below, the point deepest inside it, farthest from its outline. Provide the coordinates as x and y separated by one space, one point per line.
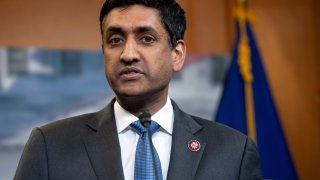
143 168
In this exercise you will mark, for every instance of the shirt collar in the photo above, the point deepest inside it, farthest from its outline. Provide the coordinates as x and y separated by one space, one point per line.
164 117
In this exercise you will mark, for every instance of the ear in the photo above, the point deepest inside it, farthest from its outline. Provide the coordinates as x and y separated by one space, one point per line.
179 55
102 48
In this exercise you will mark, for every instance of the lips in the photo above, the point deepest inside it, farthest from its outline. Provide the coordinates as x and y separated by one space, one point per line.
130 70
130 73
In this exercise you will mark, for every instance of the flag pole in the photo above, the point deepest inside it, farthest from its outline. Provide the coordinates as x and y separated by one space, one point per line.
244 53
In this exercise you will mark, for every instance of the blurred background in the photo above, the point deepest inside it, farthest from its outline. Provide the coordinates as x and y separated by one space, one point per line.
51 67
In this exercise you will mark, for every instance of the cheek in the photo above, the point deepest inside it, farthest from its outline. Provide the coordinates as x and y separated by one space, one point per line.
164 69
109 62
109 69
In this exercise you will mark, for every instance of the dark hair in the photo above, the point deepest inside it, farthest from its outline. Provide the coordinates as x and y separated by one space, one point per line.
172 15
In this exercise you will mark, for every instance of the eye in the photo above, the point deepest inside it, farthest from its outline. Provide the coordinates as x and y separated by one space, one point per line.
115 40
147 39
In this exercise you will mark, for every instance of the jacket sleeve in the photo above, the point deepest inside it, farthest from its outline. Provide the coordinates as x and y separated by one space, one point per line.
250 165
33 162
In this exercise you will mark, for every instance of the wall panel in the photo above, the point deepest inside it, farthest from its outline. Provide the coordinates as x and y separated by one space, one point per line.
71 24
286 31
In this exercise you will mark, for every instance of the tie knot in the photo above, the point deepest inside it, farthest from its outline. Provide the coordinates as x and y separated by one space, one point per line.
141 129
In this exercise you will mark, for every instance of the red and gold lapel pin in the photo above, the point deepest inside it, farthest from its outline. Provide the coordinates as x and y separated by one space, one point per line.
194 145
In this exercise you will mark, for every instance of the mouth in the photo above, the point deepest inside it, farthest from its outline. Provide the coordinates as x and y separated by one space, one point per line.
130 73
130 70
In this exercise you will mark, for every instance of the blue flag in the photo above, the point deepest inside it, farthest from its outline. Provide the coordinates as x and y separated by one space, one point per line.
274 155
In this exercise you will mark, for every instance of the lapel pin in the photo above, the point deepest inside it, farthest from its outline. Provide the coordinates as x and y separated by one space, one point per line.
194 145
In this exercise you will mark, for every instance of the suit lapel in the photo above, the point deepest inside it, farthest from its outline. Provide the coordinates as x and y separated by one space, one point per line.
184 162
102 144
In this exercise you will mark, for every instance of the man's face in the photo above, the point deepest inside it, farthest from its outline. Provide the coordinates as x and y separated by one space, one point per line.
138 58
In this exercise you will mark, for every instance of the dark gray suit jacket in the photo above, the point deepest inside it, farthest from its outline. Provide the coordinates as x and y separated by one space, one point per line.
87 147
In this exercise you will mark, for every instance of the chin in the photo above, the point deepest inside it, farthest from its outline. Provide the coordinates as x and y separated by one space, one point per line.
130 94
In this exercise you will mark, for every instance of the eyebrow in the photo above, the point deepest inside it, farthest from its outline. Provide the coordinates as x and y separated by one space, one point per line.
144 29
114 29
139 29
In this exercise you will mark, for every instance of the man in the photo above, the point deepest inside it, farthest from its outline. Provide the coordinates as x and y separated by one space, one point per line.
143 45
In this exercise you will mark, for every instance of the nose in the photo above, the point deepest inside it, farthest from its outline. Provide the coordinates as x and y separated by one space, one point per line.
129 54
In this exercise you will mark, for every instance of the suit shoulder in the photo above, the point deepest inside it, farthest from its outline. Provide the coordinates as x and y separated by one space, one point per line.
67 124
219 130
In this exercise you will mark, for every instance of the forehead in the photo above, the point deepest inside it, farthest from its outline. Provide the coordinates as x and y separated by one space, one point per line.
133 16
